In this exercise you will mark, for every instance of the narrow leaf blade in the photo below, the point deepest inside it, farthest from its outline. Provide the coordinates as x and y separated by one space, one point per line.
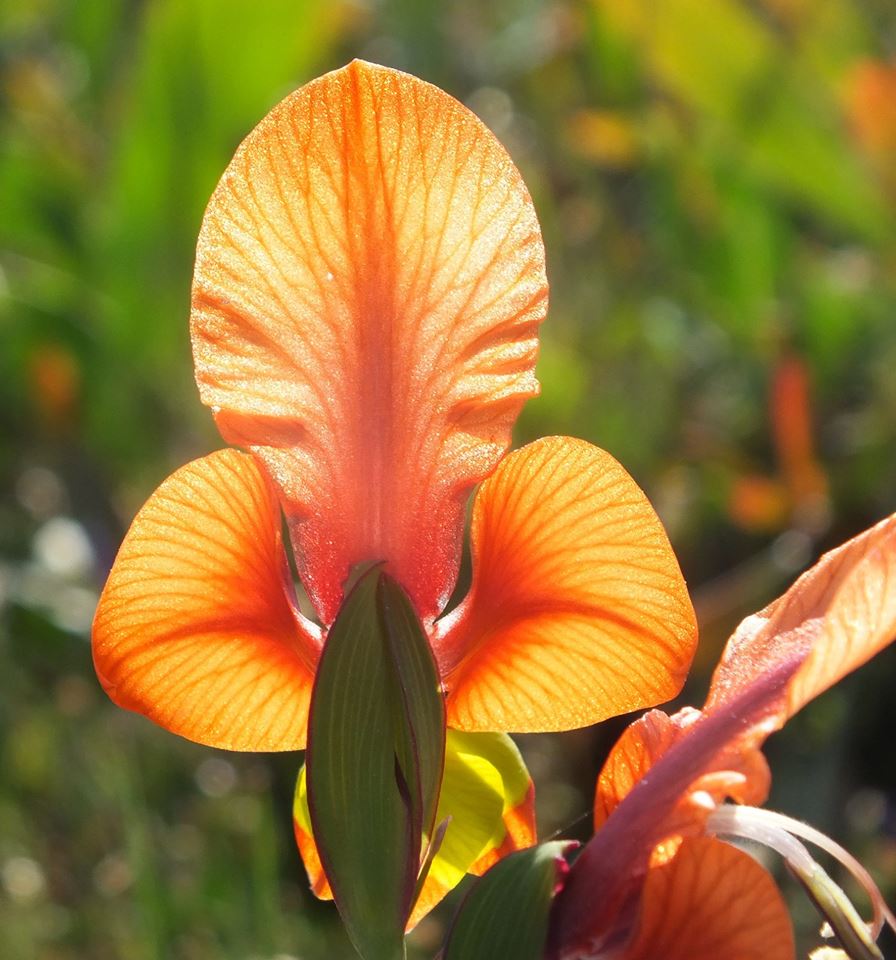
375 757
357 813
420 722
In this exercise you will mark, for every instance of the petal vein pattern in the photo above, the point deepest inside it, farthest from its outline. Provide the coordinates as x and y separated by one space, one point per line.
711 901
578 610
369 282
197 627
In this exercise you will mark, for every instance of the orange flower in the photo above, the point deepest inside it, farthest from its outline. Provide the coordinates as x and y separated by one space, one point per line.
667 885
871 107
800 493
369 282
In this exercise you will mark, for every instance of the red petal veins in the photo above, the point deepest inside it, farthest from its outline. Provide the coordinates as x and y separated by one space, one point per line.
197 627
711 901
578 610
369 282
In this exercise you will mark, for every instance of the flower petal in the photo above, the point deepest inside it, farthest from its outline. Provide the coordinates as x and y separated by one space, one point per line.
472 761
578 610
304 831
838 614
489 796
369 281
487 793
739 771
616 858
197 627
832 620
639 747
711 900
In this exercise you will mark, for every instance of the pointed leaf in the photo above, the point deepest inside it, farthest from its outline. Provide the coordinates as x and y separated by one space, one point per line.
420 717
432 850
487 801
374 762
506 913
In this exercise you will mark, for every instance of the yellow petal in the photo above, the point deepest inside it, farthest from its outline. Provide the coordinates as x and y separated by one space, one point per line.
487 794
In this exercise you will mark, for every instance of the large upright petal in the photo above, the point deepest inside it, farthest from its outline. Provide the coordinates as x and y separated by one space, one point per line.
578 610
369 281
196 627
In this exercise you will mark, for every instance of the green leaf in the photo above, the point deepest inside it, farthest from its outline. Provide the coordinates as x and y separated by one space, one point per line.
485 792
505 914
376 742
420 720
432 850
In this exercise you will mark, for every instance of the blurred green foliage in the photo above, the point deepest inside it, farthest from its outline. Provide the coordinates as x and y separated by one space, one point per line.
716 185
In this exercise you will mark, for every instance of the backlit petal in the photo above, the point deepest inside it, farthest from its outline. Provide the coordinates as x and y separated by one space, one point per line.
617 857
634 753
710 901
196 627
489 796
739 772
839 614
301 821
832 620
517 827
578 610
369 281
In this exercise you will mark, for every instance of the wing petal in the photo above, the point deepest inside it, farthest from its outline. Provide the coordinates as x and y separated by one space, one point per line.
578 610
197 626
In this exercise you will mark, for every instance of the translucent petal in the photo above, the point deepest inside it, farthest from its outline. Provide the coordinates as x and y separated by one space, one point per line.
839 614
369 281
710 901
197 626
578 610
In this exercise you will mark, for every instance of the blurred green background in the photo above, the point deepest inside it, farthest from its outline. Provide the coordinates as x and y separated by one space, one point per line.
716 181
